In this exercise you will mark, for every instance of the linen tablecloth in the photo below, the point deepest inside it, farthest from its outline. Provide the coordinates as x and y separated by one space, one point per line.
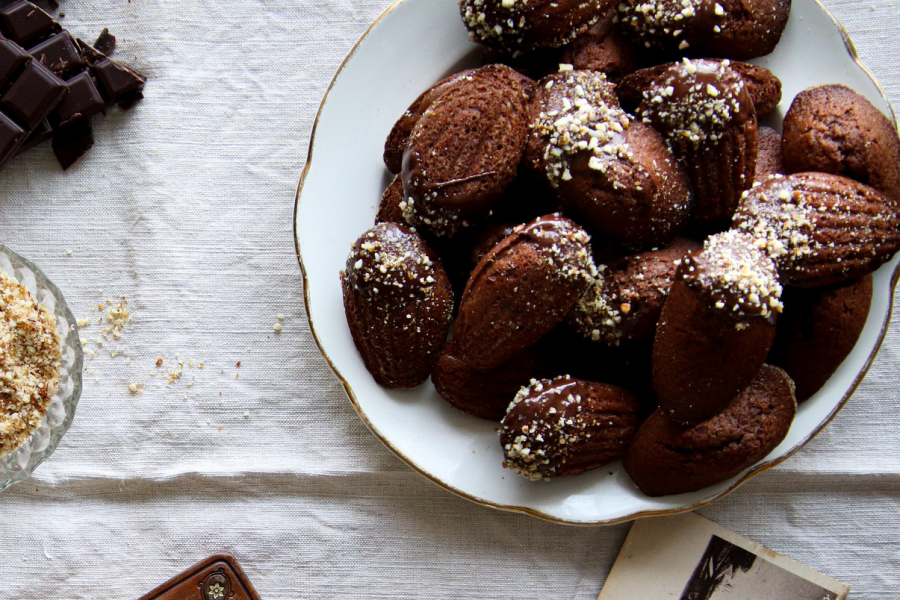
239 437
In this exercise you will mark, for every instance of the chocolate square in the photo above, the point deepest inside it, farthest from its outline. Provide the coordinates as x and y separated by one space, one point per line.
59 54
34 94
219 577
120 82
82 100
12 59
25 22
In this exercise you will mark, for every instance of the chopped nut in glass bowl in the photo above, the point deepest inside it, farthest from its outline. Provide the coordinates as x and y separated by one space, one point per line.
40 382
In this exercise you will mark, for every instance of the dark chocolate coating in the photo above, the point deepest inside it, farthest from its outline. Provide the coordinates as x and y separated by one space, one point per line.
566 426
742 30
520 291
705 112
398 304
526 25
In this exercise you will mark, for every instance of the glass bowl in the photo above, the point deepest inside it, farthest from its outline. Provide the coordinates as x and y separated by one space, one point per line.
19 464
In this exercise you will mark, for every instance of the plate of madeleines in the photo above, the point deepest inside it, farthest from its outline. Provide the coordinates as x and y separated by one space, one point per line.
595 261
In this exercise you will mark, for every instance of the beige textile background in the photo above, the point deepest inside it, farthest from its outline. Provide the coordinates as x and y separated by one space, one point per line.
184 206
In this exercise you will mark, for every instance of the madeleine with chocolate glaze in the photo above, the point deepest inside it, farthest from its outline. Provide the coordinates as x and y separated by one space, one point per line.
716 326
738 29
820 229
522 25
818 329
705 113
614 175
665 458
625 300
398 304
465 150
521 289
832 129
566 426
762 85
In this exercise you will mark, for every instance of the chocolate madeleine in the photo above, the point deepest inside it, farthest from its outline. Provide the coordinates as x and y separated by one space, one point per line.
820 229
739 29
832 129
522 25
389 208
625 300
602 48
716 326
486 395
465 150
520 291
612 174
665 458
768 159
397 139
566 426
398 303
818 329
762 85
704 111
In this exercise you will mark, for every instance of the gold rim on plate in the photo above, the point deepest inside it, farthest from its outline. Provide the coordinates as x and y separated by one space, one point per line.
754 471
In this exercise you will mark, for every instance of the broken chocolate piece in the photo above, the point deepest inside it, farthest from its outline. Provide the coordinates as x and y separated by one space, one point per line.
121 83
106 42
72 142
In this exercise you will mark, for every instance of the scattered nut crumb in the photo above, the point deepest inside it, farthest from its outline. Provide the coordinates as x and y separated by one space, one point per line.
159 362
277 327
134 388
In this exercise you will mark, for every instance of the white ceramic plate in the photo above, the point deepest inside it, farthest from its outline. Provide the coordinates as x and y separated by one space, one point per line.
414 44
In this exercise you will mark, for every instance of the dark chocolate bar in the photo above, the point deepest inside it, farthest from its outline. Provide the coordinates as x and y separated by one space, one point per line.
219 577
44 61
